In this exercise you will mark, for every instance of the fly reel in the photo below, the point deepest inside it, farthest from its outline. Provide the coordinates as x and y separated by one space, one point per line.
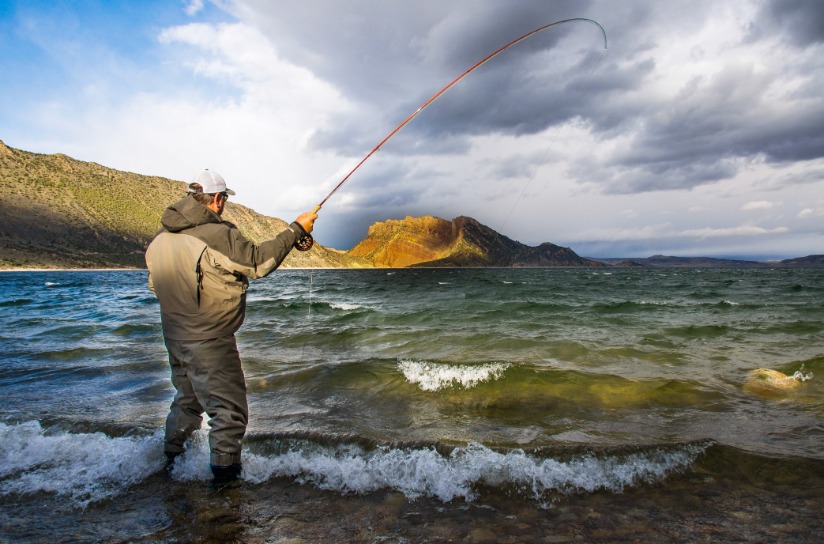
304 243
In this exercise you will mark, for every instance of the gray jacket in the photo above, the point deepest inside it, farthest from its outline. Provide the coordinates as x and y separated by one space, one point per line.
199 267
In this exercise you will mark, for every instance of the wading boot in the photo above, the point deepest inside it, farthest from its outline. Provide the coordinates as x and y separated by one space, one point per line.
224 475
170 459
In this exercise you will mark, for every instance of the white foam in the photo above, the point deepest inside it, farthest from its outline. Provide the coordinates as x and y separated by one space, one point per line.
346 306
425 472
434 376
85 467
89 467
803 376
194 463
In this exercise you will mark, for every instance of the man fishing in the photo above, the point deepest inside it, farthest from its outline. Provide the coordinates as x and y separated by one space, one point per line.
199 267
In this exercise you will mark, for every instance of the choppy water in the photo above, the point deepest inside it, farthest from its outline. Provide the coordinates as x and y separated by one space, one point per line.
524 389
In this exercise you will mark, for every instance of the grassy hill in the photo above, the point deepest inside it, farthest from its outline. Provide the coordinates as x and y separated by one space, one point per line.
59 212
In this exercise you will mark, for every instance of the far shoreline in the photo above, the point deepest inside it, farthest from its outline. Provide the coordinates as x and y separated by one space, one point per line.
603 262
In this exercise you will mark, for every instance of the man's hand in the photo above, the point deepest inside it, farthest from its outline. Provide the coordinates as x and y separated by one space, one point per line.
307 221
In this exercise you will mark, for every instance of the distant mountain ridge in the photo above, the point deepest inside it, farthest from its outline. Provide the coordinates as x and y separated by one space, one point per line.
668 261
809 260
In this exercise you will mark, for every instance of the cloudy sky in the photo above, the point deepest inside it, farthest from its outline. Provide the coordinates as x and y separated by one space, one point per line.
698 131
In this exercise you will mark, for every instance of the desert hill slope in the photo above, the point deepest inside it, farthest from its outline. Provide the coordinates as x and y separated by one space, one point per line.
462 242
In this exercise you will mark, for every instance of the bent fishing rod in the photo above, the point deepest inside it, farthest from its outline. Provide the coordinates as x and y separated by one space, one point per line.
305 242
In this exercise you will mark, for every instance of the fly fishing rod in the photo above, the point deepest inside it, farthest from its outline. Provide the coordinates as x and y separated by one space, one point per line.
305 242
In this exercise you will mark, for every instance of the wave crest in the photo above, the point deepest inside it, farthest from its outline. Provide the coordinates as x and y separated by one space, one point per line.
430 376
89 467
421 472
84 467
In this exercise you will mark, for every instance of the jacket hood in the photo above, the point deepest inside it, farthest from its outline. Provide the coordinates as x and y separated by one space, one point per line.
187 213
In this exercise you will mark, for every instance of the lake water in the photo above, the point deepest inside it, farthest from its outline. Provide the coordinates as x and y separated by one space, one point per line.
494 405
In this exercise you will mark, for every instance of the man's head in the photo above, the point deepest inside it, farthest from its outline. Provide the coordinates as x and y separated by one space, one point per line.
209 188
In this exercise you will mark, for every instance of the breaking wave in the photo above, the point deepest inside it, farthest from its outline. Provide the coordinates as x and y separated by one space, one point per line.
461 474
90 467
84 467
430 376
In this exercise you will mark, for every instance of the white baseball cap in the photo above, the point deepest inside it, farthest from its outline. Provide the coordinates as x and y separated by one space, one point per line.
211 182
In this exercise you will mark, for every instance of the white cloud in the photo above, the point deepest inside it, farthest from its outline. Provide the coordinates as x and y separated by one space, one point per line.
811 212
643 232
757 205
193 7
742 230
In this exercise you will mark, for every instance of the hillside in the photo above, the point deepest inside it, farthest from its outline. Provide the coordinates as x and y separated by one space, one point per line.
462 242
697 262
816 261
59 212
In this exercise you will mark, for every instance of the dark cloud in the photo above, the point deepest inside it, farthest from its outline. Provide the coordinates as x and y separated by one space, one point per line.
718 124
516 96
512 168
797 138
388 58
470 34
721 123
660 175
800 22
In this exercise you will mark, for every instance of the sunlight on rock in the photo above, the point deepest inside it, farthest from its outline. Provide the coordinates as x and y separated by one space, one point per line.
772 383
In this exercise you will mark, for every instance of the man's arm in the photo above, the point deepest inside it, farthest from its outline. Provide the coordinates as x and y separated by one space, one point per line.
236 253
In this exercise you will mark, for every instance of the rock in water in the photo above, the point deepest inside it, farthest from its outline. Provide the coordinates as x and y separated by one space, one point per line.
771 383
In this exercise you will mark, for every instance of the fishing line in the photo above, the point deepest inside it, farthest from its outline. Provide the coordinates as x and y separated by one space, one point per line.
309 312
305 242
311 276
543 159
